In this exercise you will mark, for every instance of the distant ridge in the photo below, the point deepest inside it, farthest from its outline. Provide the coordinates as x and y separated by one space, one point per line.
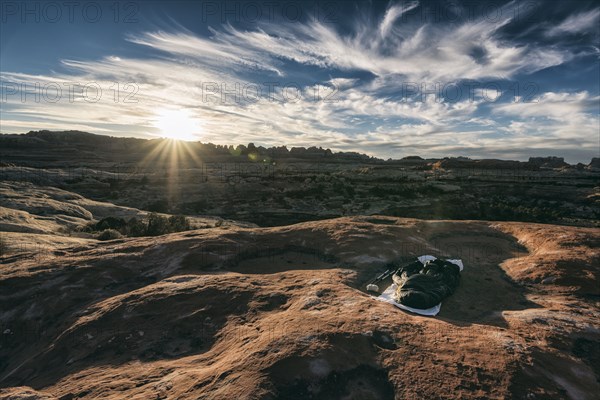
90 141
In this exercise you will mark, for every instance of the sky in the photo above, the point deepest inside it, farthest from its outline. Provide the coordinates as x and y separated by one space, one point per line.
481 79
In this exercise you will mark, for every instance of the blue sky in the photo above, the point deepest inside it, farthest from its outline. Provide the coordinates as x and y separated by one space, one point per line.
495 79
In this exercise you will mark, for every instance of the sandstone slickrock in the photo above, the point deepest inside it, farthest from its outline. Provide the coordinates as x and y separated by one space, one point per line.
278 313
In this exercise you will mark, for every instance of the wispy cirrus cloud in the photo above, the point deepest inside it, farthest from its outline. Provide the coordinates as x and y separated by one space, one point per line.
587 21
222 81
392 14
445 52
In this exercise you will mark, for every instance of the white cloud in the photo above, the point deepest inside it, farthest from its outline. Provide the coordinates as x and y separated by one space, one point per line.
18 126
392 14
556 106
586 22
471 50
364 116
561 122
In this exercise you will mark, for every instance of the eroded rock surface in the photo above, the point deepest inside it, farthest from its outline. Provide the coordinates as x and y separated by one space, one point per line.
280 313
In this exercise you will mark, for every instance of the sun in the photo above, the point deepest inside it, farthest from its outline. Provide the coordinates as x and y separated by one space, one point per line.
177 124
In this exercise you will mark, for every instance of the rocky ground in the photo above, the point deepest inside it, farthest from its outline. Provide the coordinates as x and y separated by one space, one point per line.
274 309
273 187
280 313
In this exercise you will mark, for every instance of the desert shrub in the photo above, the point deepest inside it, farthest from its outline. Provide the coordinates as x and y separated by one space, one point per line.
109 234
157 225
154 225
135 227
178 223
110 223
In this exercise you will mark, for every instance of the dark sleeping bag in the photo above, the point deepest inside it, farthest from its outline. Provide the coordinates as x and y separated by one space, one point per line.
424 286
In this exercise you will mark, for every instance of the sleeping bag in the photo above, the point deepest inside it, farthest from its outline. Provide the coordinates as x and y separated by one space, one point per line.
423 286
